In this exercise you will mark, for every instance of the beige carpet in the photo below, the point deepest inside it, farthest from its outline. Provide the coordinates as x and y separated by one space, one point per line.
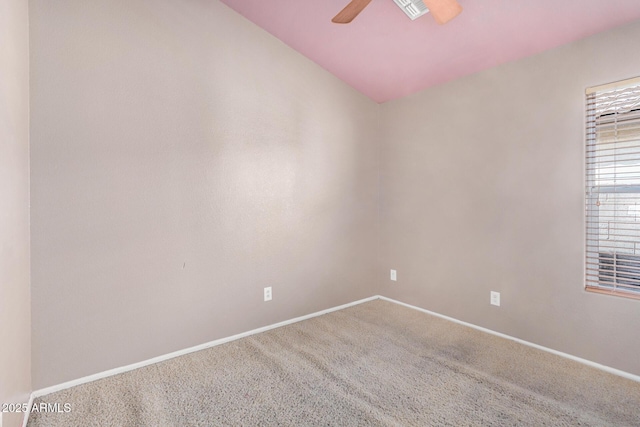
377 364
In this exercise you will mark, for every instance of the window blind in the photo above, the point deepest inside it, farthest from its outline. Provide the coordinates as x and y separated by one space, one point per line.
613 188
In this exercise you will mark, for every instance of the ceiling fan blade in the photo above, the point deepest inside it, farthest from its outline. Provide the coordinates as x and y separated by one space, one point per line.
443 11
350 11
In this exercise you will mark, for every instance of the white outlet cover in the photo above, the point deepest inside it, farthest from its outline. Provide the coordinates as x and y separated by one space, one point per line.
267 294
495 298
394 275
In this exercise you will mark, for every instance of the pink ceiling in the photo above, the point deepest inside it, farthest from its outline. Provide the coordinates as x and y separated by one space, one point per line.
385 55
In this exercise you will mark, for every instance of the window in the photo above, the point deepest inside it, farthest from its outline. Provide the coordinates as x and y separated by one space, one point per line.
613 189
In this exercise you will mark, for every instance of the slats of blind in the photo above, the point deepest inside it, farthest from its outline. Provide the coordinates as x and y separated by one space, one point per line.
613 188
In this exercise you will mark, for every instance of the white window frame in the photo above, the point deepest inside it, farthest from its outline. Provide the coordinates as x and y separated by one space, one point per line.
612 196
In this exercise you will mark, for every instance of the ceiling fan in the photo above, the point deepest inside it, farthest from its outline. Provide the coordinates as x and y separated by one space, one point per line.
443 11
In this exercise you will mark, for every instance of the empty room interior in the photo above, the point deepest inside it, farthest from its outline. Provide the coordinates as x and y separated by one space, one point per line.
301 213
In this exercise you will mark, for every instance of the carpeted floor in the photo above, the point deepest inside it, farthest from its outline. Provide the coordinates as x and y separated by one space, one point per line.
377 363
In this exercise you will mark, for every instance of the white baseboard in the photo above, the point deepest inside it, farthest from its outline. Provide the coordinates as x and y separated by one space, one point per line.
115 371
25 420
527 343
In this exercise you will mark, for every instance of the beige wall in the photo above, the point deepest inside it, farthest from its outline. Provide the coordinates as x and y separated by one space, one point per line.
15 369
182 160
482 189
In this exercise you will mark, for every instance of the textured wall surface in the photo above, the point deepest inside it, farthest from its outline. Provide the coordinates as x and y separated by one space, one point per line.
482 188
182 160
15 327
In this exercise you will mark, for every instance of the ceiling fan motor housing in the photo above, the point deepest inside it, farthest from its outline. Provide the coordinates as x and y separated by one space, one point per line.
413 8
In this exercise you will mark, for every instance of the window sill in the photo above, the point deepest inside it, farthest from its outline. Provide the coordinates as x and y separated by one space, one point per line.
630 295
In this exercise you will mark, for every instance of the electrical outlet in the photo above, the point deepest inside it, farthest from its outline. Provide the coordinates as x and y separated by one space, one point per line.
495 298
394 275
267 294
